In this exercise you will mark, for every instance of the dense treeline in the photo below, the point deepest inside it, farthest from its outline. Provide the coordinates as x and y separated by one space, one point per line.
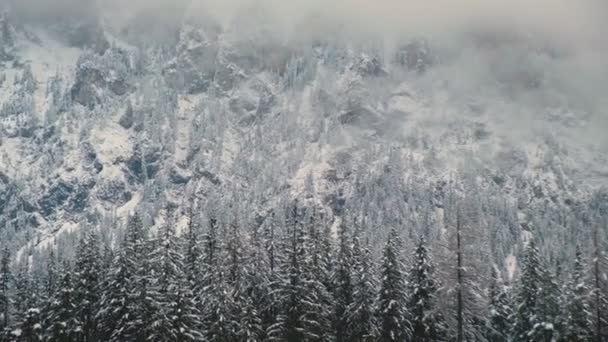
299 279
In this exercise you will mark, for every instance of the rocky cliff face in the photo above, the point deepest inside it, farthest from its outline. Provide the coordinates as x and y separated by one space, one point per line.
96 123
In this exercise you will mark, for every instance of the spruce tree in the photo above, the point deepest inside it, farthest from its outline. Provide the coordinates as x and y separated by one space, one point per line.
5 289
125 301
303 314
61 322
23 295
528 295
576 311
425 319
392 313
361 312
499 322
87 285
343 287
317 282
30 330
216 296
175 316
255 300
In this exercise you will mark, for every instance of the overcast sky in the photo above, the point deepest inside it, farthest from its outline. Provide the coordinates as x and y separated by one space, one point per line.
568 19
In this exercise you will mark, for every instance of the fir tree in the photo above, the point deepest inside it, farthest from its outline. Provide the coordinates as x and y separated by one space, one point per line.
192 251
425 319
5 288
125 301
301 296
528 295
175 316
499 327
24 294
256 314
61 322
343 287
30 330
392 314
361 312
216 296
86 287
576 311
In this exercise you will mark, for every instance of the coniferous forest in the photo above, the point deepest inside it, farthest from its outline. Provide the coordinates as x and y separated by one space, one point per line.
299 279
303 171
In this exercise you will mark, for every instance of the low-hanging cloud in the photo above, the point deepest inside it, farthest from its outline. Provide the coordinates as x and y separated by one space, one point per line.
575 21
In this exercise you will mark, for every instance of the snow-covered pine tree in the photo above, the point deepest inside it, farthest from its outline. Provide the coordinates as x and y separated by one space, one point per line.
576 314
426 320
600 286
528 296
143 305
392 313
51 275
342 285
361 312
175 316
61 323
120 315
256 303
115 299
501 310
86 285
216 297
192 250
301 298
30 330
5 289
317 280
548 310
463 270
24 296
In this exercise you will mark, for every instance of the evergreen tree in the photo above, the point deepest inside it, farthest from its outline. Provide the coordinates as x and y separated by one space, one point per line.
125 301
5 288
61 322
343 287
576 311
425 319
30 330
255 299
301 296
115 302
361 312
192 251
87 285
24 293
501 312
51 275
527 324
175 316
216 297
392 314
548 311
600 288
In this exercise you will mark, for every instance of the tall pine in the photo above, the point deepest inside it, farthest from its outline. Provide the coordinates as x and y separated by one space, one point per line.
425 319
392 313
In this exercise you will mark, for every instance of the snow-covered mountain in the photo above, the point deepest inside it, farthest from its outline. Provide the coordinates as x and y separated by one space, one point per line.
98 120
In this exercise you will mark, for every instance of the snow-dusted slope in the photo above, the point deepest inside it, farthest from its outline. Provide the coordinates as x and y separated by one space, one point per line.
93 131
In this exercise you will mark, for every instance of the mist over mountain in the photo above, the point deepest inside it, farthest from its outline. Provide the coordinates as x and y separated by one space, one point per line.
387 120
